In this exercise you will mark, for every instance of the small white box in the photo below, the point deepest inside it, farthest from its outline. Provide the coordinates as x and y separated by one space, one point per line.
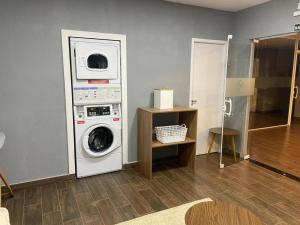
163 98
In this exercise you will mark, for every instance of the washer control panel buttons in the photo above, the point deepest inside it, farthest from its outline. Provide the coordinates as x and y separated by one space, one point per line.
96 95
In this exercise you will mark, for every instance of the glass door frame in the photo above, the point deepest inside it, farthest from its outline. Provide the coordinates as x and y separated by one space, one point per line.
244 154
293 85
244 147
296 52
229 37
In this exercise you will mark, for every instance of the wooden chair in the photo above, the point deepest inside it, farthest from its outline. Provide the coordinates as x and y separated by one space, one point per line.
2 176
227 132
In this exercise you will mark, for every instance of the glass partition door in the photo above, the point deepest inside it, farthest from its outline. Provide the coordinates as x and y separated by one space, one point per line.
275 107
273 70
238 88
295 115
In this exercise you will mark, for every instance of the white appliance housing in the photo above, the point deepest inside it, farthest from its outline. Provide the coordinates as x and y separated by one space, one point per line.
97 59
67 56
98 134
97 100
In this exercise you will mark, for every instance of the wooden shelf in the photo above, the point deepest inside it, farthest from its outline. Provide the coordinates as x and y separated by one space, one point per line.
157 144
176 109
148 118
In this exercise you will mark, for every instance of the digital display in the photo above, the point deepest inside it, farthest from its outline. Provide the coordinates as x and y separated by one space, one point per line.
98 111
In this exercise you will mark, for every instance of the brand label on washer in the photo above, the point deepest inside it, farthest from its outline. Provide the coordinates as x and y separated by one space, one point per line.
81 122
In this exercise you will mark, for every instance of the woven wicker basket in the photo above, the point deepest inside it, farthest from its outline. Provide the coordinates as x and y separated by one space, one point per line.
170 134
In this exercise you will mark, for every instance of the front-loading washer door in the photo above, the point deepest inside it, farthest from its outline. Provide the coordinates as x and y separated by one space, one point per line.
100 140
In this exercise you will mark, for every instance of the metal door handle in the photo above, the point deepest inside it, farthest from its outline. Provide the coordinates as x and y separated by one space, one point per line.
193 102
296 92
229 102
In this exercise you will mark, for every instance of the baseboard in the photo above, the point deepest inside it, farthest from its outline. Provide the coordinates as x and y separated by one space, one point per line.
73 176
40 182
55 179
130 165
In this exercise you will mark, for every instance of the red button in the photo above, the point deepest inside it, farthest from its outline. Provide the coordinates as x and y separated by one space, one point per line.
116 119
98 81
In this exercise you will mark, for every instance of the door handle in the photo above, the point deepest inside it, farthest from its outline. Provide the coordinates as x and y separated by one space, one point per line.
193 102
228 101
296 92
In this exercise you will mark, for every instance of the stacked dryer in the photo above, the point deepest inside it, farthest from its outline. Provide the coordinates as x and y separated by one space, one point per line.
96 84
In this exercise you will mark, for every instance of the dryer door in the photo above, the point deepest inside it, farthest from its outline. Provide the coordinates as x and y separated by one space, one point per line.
97 60
100 140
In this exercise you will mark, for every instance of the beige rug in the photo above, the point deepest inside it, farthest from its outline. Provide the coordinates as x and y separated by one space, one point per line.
172 216
4 217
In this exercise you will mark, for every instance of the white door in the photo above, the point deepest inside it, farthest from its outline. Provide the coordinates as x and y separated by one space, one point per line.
208 73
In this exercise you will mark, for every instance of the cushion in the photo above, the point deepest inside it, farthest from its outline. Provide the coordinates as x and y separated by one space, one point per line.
4 217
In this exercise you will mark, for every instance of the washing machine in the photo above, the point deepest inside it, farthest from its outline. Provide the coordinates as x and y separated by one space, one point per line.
98 139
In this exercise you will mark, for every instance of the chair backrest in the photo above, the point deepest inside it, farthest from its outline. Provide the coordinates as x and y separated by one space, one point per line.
2 139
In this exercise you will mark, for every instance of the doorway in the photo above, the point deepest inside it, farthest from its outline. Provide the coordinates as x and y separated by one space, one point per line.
274 124
273 72
219 97
207 87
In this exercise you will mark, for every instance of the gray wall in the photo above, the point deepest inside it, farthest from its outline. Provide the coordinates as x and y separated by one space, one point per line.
272 18
31 75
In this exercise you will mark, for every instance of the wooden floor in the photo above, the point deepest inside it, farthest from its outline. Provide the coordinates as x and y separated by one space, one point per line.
111 198
277 147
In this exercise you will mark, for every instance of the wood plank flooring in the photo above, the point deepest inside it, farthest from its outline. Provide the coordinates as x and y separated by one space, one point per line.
277 147
120 196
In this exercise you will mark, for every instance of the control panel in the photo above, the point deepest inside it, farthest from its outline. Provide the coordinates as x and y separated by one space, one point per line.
94 111
96 95
97 111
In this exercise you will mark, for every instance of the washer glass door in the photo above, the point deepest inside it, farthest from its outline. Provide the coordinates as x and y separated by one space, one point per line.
97 62
100 139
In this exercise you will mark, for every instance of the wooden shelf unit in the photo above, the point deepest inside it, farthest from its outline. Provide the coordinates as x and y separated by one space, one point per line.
146 144
157 144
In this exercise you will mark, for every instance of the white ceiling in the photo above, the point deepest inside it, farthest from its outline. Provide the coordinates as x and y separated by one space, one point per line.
226 5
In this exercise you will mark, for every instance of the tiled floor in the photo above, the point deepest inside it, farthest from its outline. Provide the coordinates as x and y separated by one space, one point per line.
119 196
277 147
